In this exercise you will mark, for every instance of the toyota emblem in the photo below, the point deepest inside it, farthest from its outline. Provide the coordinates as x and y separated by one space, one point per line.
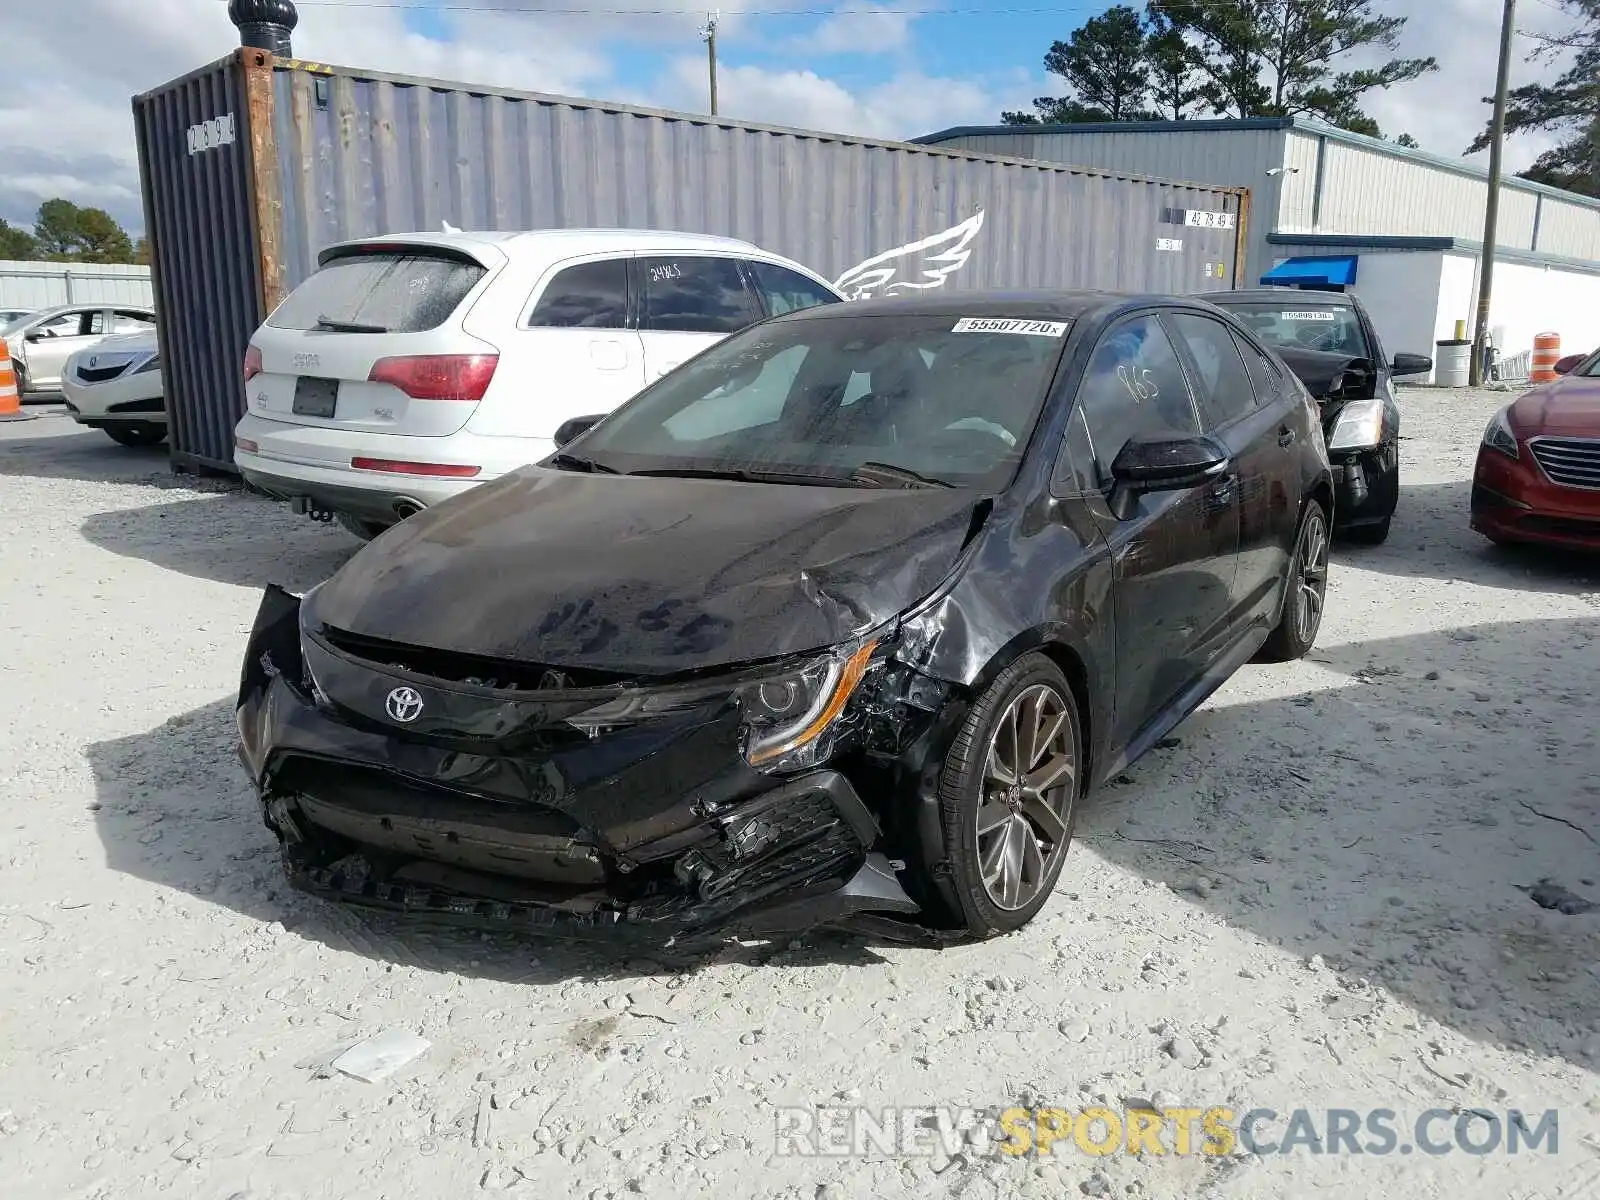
404 704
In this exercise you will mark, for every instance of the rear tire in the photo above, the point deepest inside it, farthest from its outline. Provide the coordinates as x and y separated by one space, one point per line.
1304 592
136 433
1008 796
365 530
1369 535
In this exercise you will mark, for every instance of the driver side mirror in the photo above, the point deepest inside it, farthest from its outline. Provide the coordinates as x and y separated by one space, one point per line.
1163 465
34 335
1411 364
1565 366
571 428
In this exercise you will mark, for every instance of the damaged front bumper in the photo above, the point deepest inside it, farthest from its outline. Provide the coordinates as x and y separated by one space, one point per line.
502 811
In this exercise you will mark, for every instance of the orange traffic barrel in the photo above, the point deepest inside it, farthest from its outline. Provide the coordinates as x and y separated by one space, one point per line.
1546 353
10 397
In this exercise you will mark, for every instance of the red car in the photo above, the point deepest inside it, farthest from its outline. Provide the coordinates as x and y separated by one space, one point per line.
1538 473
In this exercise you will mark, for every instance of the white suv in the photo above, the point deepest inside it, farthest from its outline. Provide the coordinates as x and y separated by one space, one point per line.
411 367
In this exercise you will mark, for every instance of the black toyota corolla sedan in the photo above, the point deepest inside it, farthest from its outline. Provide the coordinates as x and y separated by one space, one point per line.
837 623
1329 341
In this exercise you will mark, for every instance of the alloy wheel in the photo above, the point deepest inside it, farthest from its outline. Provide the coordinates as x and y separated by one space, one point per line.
1029 785
1311 585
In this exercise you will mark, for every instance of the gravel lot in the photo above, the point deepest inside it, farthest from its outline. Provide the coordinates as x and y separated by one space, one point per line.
1309 900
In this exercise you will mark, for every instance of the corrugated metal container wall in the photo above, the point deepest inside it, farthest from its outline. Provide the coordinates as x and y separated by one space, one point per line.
1209 155
369 154
251 166
195 166
25 284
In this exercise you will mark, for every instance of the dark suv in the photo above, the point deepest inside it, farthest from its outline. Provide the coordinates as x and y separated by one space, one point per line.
1328 340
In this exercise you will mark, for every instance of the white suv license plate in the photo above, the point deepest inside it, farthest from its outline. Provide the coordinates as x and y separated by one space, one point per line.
315 397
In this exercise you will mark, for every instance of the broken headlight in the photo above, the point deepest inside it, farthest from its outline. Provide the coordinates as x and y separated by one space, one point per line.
318 696
1359 425
789 718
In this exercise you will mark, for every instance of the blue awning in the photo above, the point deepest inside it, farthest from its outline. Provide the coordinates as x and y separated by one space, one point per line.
1323 269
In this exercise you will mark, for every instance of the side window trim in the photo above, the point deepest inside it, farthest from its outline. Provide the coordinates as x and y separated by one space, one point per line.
1191 369
747 272
1245 341
1186 364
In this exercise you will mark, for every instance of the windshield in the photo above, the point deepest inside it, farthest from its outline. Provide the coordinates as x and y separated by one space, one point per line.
949 399
1589 368
1299 324
15 324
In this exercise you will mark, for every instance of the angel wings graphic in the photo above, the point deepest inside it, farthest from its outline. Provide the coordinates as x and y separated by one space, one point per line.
916 266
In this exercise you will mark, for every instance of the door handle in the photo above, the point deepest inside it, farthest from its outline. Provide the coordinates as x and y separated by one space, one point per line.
1286 436
1223 488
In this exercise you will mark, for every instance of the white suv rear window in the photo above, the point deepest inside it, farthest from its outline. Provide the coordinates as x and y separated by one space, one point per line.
391 293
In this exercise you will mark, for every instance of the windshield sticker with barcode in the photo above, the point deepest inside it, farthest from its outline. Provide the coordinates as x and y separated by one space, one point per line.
1008 325
1309 316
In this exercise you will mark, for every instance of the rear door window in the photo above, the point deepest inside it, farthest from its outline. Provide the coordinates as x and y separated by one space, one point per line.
1225 391
405 292
688 294
591 295
784 290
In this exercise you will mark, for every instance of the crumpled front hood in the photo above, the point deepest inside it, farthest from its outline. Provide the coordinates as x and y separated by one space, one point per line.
647 576
1318 369
1567 407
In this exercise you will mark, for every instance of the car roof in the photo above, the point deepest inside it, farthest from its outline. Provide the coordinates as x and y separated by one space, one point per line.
563 241
1051 305
1272 295
87 305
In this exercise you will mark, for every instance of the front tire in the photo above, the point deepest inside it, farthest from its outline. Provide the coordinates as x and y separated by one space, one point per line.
1305 591
1008 796
136 433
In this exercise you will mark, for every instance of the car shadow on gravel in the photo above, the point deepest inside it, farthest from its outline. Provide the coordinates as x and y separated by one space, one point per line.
173 807
1389 821
242 539
1431 539
1362 820
55 447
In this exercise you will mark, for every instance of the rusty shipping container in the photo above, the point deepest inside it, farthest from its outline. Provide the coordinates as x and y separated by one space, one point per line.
251 165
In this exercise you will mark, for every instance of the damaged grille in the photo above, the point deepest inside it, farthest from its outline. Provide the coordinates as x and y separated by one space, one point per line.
1574 462
475 669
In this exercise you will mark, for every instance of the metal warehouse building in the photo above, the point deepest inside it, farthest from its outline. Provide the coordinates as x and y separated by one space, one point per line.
1399 227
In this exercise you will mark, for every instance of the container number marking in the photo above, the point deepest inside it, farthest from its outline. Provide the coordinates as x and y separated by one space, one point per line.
208 135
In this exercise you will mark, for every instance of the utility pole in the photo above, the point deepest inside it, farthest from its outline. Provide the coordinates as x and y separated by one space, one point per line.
709 33
1491 213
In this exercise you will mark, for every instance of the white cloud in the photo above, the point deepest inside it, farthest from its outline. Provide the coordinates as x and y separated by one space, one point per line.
1444 110
904 105
872 29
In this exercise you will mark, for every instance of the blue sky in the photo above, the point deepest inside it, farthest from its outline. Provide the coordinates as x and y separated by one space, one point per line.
1007 45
